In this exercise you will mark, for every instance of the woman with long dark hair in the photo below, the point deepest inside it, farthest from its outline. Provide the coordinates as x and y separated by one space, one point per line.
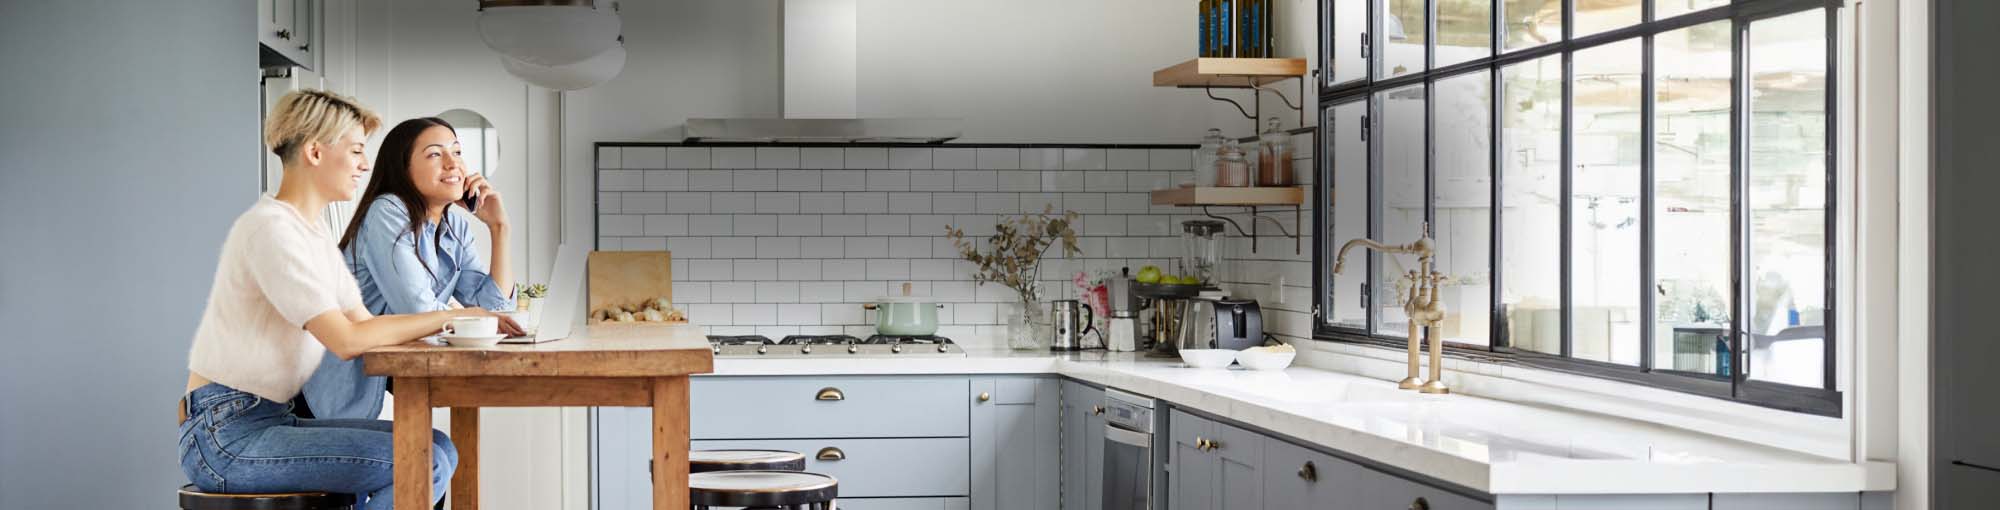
282 298
411 254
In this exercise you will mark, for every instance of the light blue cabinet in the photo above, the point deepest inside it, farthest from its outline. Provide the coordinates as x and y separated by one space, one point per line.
1015 429
1213 465
1299 478
1082 447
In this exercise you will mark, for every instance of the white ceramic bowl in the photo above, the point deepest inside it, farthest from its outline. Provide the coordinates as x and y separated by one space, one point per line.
1208 358
1265 360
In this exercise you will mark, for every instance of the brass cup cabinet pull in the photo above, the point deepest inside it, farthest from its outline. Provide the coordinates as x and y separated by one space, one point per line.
830 394
830 454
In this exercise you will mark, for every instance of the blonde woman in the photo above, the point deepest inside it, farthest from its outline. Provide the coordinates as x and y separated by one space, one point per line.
282 297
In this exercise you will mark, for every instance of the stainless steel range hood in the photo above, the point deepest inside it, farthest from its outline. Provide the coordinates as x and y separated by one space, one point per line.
820 103
823 130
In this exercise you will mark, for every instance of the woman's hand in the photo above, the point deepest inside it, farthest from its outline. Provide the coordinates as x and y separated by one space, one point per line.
507 324
487 209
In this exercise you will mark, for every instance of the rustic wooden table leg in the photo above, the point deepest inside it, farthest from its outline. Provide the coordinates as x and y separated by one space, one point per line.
670 443
413 443
465 435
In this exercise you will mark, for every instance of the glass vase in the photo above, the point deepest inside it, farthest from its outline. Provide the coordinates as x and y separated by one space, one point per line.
1028 326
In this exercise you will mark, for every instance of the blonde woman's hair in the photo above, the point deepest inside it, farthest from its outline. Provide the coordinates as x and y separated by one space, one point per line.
311 115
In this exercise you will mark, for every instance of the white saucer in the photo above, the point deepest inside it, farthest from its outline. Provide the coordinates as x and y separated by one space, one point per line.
474 341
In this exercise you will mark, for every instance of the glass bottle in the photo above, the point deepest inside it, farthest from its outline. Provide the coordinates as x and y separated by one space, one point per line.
1232 171
1206 157
1274 156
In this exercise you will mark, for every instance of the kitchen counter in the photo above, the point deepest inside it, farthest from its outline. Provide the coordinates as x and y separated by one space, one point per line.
1483 444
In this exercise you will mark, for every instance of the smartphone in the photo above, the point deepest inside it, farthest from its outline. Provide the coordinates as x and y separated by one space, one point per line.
471 201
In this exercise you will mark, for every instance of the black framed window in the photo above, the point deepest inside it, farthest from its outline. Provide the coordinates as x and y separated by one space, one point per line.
1640 190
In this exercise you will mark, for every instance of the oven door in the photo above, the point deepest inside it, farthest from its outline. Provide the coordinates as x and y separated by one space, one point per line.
1128 468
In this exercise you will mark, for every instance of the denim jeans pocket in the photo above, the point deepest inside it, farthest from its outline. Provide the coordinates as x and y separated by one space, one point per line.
194 461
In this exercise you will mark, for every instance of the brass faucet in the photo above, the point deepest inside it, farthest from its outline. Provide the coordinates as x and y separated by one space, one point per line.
1422 304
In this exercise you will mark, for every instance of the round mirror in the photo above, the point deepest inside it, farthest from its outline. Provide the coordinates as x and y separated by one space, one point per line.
476 137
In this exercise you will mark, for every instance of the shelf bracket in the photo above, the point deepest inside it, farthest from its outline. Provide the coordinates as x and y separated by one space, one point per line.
1206 89
1298 241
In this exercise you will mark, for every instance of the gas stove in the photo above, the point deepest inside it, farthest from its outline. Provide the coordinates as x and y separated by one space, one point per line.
834 346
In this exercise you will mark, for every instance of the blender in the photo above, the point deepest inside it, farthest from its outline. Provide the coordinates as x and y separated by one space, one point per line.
1201 251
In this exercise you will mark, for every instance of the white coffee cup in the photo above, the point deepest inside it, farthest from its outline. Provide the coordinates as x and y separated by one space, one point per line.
472 327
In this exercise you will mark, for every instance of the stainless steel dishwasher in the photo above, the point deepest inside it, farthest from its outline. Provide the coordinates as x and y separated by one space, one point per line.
1128 451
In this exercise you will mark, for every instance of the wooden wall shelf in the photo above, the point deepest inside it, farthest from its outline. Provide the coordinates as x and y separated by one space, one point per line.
1229 72
1194 197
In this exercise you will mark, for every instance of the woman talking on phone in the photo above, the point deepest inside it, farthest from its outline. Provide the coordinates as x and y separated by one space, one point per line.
282 298
411 254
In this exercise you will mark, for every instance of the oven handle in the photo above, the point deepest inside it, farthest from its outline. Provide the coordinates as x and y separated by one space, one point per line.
1128 437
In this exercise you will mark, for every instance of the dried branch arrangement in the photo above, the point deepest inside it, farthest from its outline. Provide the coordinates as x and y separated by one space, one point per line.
1012 256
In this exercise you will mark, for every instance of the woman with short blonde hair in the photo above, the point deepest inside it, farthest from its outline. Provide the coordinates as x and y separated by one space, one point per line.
281 298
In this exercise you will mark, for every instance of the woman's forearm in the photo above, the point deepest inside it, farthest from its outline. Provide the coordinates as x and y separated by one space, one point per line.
349 338
503 277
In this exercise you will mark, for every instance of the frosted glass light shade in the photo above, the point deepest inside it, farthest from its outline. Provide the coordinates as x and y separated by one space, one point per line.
581 75
549 35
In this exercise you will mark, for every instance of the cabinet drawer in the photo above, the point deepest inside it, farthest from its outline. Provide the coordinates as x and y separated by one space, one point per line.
756 408
878 467
1290 485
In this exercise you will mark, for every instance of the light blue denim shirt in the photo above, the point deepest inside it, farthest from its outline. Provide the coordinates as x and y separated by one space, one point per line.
384 257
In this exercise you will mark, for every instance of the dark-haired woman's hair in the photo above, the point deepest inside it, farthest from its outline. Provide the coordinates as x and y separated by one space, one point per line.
392 177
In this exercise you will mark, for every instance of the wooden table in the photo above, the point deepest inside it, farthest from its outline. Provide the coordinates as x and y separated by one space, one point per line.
604 365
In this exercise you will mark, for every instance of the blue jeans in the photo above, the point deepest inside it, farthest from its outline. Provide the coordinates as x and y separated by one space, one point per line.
236 442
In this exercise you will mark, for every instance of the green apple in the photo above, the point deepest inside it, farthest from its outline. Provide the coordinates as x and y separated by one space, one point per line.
1149 274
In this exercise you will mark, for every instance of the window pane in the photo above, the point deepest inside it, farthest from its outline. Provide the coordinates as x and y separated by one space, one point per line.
1465 30
1350 22
1531 203
1663 9
1400 42
1604 204
1401 131
1530 23
1787 199
1691 199
1593 16
1462 195
1348 153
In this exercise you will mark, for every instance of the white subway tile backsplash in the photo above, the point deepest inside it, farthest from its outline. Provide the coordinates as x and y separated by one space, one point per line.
645 157
1038 202
867 157
909 203
1104 225
778 247
888 180
867 247
645 243
777 157
931 181
610 243
888 225
711 314
888 269
666 225
755 180
819 292
621 180
1083 203
756 314
733 157
711 180
953 291
909 247
1104 181
1125 159
1041 159
687 157
798 180
608 157
711 225
777 292
1173 159
687 248
999 159
929 224
975 180
864 291
756 270
840 313
1018 181
775 331
822 158
799 270
865 203
1092 247
821 203
734 247
823 247
973 313
756 225
930 269
954 159
733 203
611 201
1146 182
798 225
620 225
645 203
801 314
741 291
666 180
711 270
687 203
843 269
1062 181
777 203
1167 246
993 293
906 159
844 225
1083 159
999 203
1128 247
1146 225
954 203
686 292
844 180
974 225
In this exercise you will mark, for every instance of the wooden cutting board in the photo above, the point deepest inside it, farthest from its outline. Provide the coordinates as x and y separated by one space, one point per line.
627 277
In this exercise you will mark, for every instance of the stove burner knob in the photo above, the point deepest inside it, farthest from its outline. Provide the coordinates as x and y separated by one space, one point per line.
941 348
761 349
806 349
715 349
896 349
851 349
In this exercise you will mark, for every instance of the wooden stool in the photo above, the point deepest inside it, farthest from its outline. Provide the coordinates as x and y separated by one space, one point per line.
762 489
194 499
704 461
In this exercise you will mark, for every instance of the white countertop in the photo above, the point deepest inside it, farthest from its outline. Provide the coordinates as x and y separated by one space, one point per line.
1483 444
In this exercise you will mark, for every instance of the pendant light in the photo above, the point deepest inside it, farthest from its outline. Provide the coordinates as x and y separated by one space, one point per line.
558 44
581 75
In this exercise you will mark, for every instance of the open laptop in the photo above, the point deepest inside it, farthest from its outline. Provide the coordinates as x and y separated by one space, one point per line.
557 314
